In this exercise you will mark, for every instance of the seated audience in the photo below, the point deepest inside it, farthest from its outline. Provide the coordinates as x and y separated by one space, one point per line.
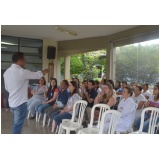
96 86
51 95
152 102
78 84
90 96
107 96
38 97
61 100
145 91
84 89
124 84
127 109
66 113
139 99
117 87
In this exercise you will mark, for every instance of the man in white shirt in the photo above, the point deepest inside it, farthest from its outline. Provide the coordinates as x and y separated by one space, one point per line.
146 92
139 99
16 80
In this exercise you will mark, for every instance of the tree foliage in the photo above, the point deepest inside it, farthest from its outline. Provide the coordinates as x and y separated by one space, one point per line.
85 65
138 63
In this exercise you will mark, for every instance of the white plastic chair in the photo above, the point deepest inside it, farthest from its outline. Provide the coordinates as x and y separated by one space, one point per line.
78 109
114 117
152 121
38 116
29 113
91 129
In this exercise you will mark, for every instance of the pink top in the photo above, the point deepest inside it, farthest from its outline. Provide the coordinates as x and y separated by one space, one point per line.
153 103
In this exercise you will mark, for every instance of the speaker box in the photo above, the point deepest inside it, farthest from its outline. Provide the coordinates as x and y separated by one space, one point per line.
51 52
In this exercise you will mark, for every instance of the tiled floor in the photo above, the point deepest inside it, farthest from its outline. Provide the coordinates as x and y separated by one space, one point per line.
30 126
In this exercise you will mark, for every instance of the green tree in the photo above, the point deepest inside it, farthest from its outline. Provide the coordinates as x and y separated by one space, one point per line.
85 65
138 63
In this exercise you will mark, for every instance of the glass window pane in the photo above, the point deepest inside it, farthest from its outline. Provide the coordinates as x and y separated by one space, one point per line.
138 62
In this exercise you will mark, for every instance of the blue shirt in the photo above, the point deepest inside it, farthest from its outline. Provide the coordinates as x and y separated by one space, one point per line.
92 94
63 97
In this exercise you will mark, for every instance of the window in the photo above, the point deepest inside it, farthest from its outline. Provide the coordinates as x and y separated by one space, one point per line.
138 62
31 48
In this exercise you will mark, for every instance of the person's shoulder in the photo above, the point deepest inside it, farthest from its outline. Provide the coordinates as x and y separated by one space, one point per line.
56 90
142 96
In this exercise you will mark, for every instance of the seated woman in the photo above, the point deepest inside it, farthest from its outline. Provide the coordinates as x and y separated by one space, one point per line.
152 102
51 95
61 100
127 108
106 97
38 96
66 113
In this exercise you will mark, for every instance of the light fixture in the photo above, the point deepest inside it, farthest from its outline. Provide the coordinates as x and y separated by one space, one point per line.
62 29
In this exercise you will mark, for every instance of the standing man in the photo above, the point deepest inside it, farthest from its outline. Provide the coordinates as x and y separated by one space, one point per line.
16 80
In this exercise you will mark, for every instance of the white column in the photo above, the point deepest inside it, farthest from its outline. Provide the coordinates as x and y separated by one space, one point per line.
58 70
67 68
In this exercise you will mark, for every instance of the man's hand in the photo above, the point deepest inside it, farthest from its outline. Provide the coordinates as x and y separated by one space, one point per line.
45 71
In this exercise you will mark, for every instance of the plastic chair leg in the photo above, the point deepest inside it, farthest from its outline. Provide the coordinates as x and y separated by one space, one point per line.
49 121
28 115
39 117
36 116
44 120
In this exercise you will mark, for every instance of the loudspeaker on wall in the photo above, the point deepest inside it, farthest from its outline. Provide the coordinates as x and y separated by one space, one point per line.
51 52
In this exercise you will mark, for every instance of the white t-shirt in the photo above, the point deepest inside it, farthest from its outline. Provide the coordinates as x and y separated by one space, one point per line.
137 100
147 93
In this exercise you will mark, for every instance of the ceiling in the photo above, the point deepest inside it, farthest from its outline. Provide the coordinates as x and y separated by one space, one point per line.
49 32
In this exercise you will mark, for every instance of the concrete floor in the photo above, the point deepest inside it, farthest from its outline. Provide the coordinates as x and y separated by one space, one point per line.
30 126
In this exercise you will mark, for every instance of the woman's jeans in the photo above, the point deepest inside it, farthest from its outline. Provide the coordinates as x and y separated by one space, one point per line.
40 108
32 103
59 117
19 115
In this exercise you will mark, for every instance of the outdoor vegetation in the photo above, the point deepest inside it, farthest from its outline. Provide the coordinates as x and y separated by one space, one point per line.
137 62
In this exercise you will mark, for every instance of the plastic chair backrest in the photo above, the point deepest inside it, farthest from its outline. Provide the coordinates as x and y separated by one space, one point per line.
152 120
103 108
78 111
115 115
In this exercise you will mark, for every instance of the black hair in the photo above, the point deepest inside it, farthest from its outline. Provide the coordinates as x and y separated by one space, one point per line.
84 81
139 87
157 85
17 56
66 82
146 85
111 82
119 85
92 81
78 82
50 87
74 84
96 82
124 82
